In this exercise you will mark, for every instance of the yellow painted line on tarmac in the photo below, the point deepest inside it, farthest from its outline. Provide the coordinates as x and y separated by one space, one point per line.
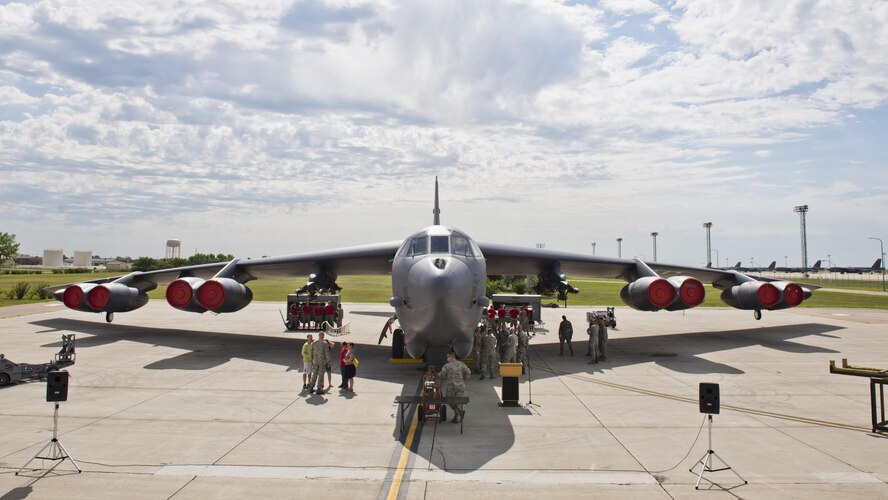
694 401
402 461
406 360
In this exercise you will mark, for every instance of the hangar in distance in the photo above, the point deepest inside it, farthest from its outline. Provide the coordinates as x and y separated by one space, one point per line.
439 277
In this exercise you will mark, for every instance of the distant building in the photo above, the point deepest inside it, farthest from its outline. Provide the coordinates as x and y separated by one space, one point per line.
82 258
53 257
117 265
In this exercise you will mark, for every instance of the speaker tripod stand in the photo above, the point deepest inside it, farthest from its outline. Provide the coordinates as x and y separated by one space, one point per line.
54 448
706 461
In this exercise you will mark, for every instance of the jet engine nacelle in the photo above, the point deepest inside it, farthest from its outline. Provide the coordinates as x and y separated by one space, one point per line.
107 297
650 293
74 296
182 294
224 295
115 297
758 295
689 292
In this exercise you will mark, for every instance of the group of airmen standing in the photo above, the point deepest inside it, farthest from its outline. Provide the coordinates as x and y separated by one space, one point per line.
309 315
500 338
597 331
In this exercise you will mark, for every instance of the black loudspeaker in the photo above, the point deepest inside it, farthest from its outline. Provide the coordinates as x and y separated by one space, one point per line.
709 398
57 386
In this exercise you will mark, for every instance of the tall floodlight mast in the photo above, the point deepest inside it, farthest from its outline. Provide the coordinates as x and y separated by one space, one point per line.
654 236
802 210
708 227
619 248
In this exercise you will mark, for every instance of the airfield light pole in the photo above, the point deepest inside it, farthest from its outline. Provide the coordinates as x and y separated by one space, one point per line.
619 248
654 236
717 260
882 253
786 261
708 227
593 249
802 210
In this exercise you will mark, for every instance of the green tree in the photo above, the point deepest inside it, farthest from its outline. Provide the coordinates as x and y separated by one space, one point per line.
144 264
8 247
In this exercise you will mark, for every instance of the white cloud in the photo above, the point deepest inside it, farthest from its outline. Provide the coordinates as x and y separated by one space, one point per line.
165 116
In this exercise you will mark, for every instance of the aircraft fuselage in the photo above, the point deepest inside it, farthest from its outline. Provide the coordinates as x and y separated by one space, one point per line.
439 282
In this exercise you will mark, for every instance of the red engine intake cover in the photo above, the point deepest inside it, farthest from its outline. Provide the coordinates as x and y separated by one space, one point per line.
691 292
793 295
211 294
661 293
178 294
73 297
768 295
98 298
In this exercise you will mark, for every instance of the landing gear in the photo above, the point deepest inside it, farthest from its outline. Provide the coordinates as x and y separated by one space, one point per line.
398 344
109 317
757 314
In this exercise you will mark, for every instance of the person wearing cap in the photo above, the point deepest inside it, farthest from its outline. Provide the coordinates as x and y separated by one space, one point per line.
565 333
593 332
602 339
454 374
488 354
476 348
511 347
521 351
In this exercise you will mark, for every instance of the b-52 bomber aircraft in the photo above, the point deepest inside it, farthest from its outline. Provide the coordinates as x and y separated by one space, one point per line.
439 277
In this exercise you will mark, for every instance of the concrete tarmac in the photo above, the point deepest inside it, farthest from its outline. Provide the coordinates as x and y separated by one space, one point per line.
168 404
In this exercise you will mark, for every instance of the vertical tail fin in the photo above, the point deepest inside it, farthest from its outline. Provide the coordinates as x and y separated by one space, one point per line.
437 211
877 265
773 265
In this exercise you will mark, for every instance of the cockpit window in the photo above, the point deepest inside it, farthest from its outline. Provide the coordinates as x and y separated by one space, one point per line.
418 246
440 244
460 245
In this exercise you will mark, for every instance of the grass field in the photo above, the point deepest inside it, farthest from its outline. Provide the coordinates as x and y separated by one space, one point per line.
378 289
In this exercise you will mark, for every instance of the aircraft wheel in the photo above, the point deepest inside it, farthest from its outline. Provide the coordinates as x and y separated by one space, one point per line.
109 317
757 314
4 379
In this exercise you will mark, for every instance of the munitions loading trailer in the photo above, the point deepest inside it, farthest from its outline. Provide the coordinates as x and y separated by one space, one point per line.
15 372
297 300
610 319
534 302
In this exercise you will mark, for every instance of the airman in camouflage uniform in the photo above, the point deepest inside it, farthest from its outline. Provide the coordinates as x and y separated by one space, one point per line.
455 374
521 354
320 358
511 347
593 332
476 348
488 354
522 320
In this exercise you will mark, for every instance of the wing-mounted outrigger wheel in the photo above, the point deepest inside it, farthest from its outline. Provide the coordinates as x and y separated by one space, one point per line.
757 314
109 317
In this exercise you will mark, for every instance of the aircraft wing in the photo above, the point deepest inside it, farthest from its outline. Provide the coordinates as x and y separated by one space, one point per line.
364 259
514 260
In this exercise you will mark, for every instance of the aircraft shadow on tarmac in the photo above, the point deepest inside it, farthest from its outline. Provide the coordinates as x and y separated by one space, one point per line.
681 352
494 435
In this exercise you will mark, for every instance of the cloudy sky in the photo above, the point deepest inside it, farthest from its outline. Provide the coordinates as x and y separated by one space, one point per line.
268 128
